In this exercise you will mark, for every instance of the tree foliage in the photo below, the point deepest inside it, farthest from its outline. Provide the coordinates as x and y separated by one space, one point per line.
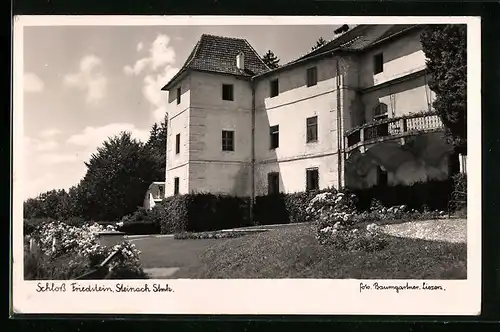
54 204
117 178
320 42
445 47
157 147
271 60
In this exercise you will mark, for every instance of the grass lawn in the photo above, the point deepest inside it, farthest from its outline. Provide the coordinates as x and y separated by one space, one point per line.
167 252
293 252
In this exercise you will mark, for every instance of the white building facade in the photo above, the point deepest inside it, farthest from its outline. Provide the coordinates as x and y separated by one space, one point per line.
355 112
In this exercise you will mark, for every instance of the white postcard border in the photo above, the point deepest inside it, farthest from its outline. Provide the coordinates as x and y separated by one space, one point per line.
263 296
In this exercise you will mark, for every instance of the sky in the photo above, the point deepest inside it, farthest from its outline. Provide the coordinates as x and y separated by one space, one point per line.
83 84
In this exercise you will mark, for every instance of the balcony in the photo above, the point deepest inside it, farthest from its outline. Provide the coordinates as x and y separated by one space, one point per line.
391 129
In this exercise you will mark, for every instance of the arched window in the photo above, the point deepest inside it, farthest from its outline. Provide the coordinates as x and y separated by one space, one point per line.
380 112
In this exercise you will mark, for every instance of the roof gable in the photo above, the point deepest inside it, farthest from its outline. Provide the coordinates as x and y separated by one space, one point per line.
218 55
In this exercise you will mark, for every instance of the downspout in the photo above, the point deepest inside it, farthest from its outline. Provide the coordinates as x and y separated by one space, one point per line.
427 98
252 140
339 129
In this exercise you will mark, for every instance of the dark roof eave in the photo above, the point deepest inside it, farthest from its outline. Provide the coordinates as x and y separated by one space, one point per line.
174 79
300 62
391 37
338 50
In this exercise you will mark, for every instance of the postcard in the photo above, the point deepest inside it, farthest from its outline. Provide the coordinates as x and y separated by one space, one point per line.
247 165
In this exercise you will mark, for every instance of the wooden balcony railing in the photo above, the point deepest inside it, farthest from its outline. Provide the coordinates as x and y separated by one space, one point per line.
392 128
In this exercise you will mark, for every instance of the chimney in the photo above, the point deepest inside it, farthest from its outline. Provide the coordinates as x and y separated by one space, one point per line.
341 30
240 61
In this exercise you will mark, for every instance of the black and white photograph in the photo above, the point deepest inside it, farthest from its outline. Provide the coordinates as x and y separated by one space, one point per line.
197 157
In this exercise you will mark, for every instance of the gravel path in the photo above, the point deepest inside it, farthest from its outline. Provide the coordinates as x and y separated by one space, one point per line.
448 230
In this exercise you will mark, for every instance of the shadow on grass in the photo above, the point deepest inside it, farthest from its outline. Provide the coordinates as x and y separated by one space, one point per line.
293 252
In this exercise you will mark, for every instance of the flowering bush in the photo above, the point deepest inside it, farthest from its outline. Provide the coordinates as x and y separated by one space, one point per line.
66 252
350 238
336 221
210 235
330 205
339 224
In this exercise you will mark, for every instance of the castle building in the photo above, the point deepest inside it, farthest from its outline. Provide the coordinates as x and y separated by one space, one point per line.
356 112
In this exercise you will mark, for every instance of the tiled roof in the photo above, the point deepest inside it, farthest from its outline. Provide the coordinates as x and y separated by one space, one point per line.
218 54
359 38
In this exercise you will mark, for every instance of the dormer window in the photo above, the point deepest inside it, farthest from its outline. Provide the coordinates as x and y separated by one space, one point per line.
240 61
380 112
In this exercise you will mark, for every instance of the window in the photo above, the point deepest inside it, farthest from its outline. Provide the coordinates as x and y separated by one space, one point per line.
178 96
275 88
176 186
380 112
227 140
381 177
312 76
378 63
161 193
312 129
274 133
273 183
312 179
227 92
177 143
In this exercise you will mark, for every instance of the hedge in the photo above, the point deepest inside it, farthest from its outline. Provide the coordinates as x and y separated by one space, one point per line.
290 208
142 222
433 194
282 208
203 212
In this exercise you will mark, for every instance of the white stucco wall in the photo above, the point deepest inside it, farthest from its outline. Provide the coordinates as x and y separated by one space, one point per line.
295 103
402 56
178 123
293 174
220 177
407 97
210 168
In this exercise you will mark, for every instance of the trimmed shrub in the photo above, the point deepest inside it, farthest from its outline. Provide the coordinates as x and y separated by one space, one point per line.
271 209
141 222
175 214
424 200
208 235
284 208
203 212
434 194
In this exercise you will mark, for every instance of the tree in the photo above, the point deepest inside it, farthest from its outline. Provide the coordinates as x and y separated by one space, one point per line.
445 47
54 204
117 178
32 208
271 60
157 146
320 42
